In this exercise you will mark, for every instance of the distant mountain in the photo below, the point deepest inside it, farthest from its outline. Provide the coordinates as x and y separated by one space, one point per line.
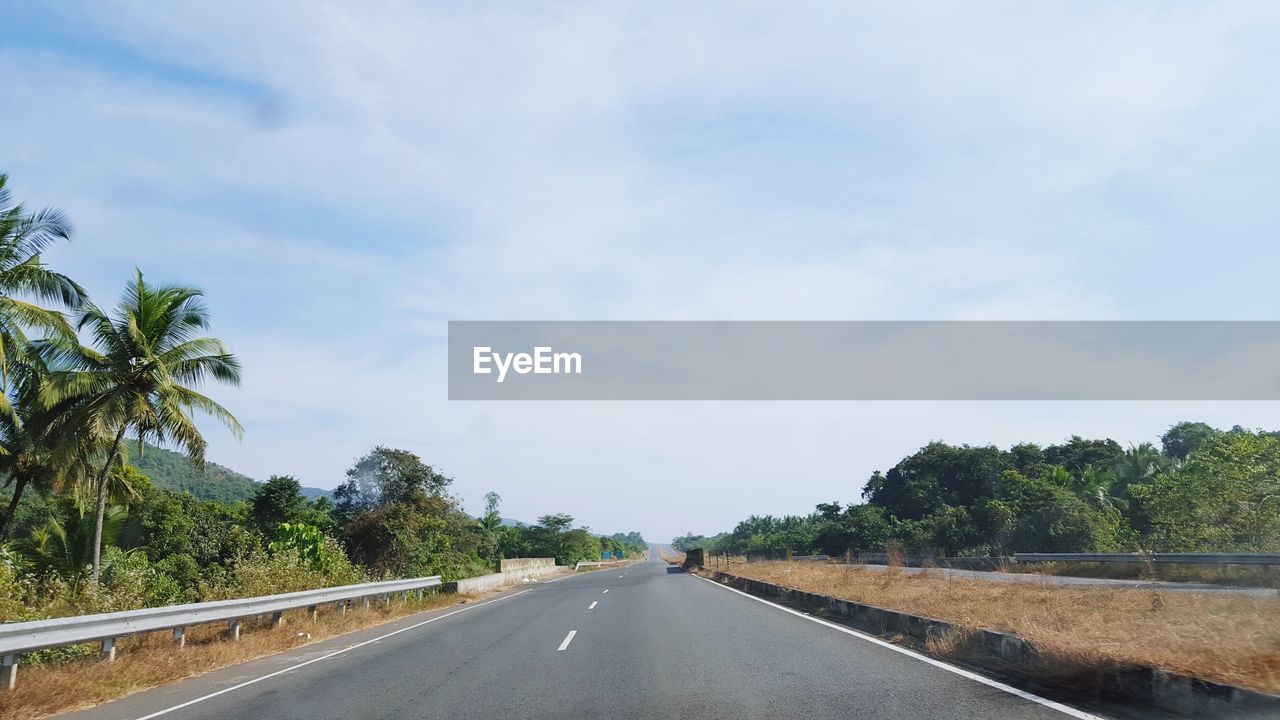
171 470
507 522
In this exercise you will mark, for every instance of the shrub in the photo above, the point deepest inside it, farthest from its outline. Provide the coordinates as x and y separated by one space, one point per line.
270 574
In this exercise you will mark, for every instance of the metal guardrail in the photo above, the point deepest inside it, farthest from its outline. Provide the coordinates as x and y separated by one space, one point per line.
1157 558
21 637
809 558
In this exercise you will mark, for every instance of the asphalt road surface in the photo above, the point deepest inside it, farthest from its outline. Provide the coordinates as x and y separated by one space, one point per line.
635 642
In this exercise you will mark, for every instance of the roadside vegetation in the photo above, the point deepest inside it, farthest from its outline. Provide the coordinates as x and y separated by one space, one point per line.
1202 490
89 390
1219 636
153 659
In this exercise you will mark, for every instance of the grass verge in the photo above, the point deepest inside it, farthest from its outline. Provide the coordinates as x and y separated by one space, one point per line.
1218 637
1237 575
146 661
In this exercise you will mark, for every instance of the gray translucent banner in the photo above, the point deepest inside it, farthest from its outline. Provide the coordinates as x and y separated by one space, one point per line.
943 360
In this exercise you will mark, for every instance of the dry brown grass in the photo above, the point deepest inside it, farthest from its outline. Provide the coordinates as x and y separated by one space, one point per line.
150 660
1230 639
724 562
1240 575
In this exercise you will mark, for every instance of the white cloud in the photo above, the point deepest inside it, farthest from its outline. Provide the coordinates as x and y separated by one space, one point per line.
342 182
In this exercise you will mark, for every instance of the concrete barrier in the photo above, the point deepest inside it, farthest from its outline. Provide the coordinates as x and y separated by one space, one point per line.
518 564
493 581
1011 655
694 559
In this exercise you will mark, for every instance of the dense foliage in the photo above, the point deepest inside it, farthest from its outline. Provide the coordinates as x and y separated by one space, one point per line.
100 517
1203 490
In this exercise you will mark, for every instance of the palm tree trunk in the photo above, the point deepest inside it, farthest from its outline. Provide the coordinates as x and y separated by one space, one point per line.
19 484
102 503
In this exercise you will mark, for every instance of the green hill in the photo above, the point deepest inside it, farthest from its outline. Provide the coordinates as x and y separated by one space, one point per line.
171 470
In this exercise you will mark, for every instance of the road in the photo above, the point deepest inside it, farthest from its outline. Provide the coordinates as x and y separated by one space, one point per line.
635 642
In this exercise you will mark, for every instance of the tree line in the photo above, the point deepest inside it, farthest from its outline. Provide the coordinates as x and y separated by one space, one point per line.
83 530
1202 490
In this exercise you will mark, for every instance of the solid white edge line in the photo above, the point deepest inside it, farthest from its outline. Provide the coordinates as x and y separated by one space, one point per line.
567 639
605 590
335 653
592 606
1066 709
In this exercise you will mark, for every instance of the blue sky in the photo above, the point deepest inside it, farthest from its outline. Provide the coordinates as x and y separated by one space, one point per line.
342 181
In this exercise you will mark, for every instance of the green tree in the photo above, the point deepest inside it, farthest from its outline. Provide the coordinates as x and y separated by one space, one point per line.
23 237
1079 452
140 377
1138 466
384 477
423 535
66 546
192 540
938 475
126 485
558 522
278 500
491 524
1184 438
575 545
492 519
857 528
31 453
1226 497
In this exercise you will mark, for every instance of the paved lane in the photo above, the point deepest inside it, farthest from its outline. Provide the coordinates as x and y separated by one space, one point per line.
640 642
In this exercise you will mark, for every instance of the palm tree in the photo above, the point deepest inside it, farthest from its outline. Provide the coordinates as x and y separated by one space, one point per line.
1094 486
1139 465
139 380
1090 484
65 548
23 236
491 520
31 454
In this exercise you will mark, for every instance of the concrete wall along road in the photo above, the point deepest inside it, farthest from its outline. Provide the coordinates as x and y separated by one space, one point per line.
527 569
517 564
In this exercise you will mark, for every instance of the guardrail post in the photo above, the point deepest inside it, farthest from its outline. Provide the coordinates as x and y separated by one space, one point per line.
366 602
311 613
404 598
180 637
9 672
277 618
109 649
233 629
342 607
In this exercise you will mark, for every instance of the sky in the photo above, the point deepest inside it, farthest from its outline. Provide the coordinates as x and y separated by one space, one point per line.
342 181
